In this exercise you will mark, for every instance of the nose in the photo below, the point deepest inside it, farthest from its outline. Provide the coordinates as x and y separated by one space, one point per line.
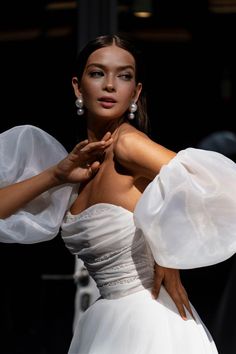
110 84
110 87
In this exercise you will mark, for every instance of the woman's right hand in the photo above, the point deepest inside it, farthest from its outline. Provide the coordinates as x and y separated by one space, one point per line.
82 162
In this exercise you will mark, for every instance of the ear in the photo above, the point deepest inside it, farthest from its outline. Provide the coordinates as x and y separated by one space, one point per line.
76 86
137 92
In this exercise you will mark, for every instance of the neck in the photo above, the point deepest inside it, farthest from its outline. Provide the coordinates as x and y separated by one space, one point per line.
96 130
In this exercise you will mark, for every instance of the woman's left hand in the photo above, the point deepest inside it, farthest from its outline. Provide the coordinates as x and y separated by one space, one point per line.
82 162
170 279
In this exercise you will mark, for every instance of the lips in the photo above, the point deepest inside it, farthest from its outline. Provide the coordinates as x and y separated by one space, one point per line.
107 101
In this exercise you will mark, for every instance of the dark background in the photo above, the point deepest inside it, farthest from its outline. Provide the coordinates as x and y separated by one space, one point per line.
189 54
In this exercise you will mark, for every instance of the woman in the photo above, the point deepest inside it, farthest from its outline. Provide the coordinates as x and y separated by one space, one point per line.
144 202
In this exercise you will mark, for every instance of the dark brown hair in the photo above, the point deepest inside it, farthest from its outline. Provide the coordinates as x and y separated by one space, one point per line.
141 120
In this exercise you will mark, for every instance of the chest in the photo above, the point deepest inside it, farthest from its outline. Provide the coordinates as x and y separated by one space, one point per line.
111 184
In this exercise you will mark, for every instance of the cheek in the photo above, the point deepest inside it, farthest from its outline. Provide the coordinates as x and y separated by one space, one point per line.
128 88
127 94
89 93
88 87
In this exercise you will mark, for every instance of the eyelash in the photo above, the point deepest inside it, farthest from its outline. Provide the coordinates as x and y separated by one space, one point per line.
126 77
97 74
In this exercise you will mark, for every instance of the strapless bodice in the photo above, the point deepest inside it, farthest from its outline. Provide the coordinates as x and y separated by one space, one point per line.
113 250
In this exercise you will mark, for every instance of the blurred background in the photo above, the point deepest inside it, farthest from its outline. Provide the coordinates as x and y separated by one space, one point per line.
189 54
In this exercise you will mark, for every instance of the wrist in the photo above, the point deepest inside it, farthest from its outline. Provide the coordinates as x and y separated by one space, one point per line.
55 178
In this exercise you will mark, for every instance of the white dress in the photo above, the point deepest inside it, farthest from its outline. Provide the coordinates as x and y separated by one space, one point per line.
184 219
126 319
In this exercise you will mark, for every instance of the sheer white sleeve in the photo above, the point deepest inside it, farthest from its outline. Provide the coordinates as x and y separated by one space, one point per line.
25 151
188 212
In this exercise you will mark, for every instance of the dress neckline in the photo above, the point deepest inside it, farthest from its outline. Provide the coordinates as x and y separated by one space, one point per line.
101 206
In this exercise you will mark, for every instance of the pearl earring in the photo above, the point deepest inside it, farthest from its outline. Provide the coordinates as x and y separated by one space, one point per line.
79 104
132 108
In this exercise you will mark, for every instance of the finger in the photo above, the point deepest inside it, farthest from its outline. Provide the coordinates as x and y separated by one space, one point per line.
176 297
188 307
156 285
95 166
183 304
185 300
108 142
91 170
80 146
97 145
107 136
180 308
105 142
85 146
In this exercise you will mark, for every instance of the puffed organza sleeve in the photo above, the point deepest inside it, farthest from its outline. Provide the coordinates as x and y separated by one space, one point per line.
25 151
188 212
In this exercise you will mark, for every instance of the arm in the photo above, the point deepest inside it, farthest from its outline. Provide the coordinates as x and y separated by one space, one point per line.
144 158
141 155
77 167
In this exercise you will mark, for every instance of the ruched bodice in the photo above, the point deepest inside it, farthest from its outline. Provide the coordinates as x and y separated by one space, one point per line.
113 250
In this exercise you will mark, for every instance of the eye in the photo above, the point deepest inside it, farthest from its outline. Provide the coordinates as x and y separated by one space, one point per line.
126 76
96 73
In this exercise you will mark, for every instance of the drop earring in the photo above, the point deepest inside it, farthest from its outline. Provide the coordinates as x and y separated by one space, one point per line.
79 104
132 108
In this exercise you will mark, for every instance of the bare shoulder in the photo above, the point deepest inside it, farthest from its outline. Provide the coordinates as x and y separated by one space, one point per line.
128 137
136 151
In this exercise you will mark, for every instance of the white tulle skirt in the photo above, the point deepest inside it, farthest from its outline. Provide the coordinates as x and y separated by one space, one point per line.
138 324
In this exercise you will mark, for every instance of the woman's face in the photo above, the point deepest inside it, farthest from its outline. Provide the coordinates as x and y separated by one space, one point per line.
108 83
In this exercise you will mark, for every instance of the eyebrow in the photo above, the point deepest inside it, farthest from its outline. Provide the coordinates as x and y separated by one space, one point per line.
122 67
